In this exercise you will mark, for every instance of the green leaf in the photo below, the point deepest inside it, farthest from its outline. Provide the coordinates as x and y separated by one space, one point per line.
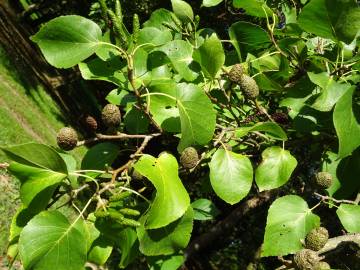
172 199
154 36
67 40
100 247
211 3
58 243
231 175
349 216
18 222
333 19
204 209
169 101
37 155
37 184
129 246
210 55
270 128
275 169
110 70
180 54
99 157
166 240
331 92
159 18
182 10
197 116
164 109
171 262
347 124
247 37
288 222
254 8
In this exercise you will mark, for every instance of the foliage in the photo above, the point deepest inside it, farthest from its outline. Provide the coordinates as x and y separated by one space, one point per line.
171 81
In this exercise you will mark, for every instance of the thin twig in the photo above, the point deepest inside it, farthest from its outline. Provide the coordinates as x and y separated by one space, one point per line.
118 136
131 161
327 198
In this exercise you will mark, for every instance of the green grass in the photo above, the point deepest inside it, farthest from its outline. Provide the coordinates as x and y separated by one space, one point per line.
27 114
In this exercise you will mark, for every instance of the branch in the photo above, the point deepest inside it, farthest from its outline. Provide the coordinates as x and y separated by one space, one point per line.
131 161
327 198
224 227
118 136
333 243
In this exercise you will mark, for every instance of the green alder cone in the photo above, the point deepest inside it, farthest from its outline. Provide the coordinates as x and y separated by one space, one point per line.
119 196
129 212
323 180
136 28
249 87
67 138
236 73
111 116
306 259
316 238
322 266
189 158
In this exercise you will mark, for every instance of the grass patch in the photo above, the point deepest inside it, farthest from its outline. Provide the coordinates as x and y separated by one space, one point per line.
27 114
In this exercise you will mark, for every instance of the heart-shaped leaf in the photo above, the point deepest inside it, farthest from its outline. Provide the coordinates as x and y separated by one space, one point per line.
49 239
275 169
67 40
172 199
288 222
231 175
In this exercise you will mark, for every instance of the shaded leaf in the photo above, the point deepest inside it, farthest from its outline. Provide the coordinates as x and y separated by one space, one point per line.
204 209
166 240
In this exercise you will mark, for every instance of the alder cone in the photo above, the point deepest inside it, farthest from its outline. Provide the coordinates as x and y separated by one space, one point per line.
235 73
67 138
306 259
91 123
249 87
189 158
316 238
323 180
111 115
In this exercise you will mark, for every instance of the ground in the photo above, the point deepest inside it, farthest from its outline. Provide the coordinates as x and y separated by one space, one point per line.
27 114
